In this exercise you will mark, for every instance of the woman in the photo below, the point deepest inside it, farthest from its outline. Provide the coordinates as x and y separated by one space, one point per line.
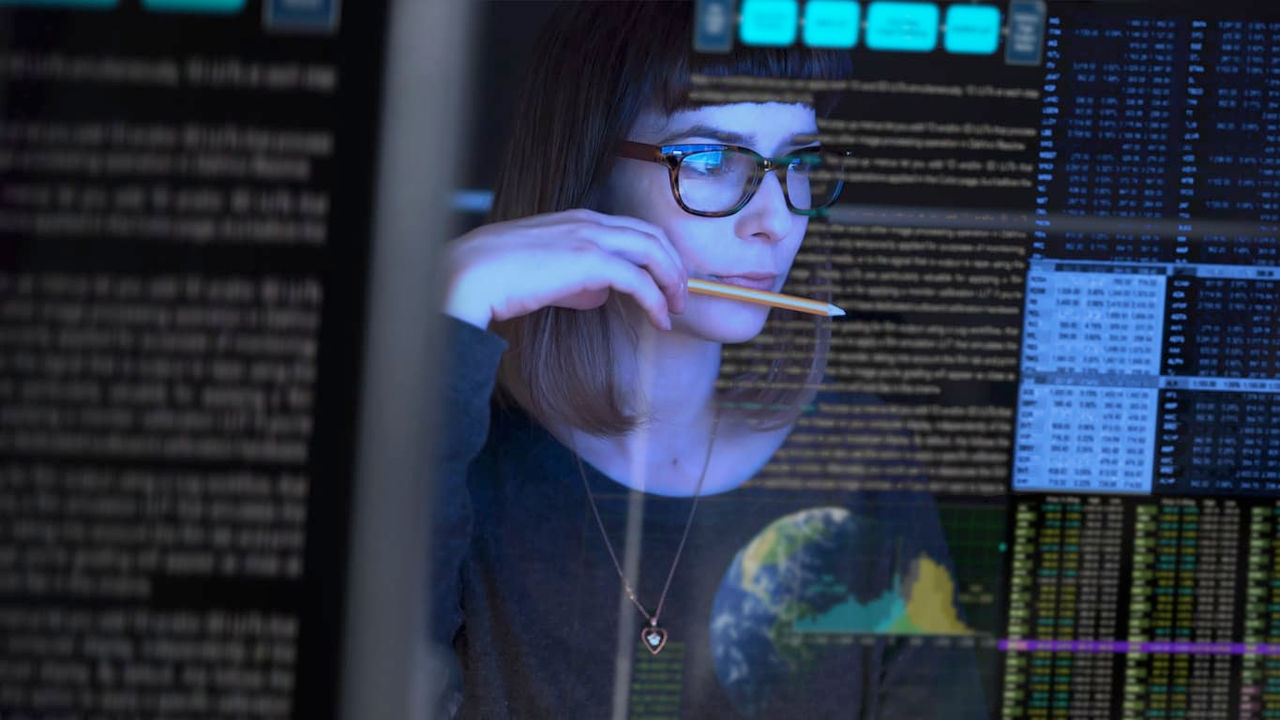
599 553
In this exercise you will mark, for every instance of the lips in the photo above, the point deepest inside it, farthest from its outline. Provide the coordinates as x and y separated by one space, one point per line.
755 281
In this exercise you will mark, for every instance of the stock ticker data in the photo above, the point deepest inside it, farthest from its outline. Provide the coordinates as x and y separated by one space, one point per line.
1060 244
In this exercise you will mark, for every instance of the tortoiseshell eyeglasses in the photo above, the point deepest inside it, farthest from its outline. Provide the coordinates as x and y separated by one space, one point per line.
719 180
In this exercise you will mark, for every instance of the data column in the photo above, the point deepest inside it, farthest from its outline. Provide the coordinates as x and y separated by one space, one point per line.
1098 598
1066 585
1113 115
1235 104
1087 398
1182 615
1260 665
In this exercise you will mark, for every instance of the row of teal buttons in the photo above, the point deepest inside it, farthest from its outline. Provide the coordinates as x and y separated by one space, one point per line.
904 26
203 6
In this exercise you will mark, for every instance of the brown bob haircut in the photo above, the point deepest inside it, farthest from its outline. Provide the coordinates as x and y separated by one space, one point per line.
594 68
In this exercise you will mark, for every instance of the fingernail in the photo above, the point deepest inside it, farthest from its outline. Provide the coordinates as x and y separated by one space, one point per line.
666 322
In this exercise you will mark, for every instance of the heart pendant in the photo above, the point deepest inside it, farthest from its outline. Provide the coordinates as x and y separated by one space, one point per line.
654 638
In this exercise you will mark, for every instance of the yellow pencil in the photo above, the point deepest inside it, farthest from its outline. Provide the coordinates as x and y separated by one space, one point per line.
763 297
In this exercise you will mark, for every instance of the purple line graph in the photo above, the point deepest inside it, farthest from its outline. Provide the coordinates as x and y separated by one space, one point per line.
1121 646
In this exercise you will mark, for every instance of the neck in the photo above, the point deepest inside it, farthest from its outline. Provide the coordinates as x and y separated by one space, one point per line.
671 378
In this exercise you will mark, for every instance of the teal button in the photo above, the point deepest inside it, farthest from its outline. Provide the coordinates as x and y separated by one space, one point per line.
907 26
831 23
769 22
221 7
79 4
972 29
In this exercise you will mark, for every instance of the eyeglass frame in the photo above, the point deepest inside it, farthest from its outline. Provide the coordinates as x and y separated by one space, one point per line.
672 155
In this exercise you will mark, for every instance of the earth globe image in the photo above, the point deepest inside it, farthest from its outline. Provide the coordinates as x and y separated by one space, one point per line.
794 596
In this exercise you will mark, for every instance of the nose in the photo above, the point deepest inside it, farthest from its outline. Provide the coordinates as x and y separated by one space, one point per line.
766 215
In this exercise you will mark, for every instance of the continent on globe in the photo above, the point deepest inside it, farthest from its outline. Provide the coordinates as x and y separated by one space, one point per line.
811 576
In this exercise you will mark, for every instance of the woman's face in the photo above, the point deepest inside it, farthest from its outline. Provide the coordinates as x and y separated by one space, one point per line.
754 247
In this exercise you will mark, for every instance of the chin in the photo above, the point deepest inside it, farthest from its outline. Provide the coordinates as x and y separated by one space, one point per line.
723 321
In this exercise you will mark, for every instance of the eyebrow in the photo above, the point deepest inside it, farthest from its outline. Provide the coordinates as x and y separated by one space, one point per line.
731 138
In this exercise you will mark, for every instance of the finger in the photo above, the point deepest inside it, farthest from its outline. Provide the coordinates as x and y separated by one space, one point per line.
641 249
625 277
650 229
677 292
613 233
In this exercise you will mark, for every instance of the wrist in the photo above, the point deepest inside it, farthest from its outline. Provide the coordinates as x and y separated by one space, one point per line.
463 302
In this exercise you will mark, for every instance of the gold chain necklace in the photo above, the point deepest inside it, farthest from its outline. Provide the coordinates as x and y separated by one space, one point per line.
652 635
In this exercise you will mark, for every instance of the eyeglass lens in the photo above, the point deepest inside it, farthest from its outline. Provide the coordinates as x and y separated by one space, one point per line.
719 180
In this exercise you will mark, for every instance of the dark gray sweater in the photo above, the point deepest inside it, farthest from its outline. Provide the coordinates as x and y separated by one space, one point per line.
779 607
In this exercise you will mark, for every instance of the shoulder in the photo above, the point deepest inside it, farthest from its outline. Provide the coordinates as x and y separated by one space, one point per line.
470 348
517 449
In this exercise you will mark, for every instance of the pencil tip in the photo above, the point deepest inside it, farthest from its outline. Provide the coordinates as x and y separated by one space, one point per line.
836 312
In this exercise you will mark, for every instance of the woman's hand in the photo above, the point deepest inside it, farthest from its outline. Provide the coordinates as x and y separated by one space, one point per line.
568 259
